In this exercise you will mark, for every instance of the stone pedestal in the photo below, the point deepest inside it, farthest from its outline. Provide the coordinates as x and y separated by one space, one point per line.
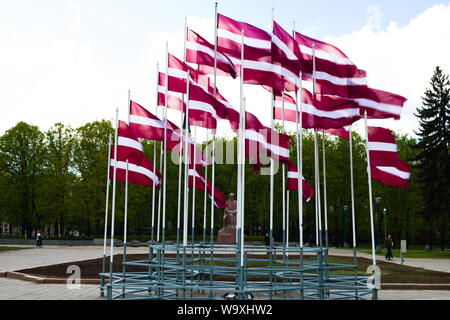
227 236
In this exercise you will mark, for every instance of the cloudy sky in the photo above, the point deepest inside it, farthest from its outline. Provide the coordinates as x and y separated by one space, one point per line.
73 61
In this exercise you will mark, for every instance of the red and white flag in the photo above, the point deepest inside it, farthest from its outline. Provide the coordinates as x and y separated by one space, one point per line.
140 172
200 181
140 169
379 104
340 132
128 145
260 140
146 125
335 72
308 191
258 63
201 52
382 147
203 108
323 112
395 176
178 143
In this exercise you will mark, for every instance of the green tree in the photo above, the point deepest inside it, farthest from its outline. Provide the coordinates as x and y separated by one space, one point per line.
22 152
433 158
60 176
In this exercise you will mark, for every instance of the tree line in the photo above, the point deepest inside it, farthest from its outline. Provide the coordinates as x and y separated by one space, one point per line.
55 181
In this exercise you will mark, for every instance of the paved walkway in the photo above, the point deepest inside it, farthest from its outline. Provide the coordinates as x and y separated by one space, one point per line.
442 265
36 257
23 290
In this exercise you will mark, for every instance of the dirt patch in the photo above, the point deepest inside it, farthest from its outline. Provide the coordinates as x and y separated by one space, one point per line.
390 272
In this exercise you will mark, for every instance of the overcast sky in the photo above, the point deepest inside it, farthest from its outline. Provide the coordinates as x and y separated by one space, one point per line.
73 61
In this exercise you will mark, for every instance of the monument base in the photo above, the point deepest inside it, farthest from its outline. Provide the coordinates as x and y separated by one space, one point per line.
227 236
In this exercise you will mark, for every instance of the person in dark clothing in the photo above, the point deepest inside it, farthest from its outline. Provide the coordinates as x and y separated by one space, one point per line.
389 243
39 239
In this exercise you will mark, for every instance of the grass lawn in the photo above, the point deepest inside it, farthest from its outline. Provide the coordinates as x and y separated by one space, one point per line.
414 253
9 248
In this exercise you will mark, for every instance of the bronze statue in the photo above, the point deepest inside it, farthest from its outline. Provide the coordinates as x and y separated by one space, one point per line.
227 235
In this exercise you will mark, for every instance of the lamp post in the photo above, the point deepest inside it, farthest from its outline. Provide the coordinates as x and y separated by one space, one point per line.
385 222
377 238
345 207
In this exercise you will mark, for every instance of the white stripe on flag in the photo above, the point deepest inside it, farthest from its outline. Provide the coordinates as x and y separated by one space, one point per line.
258 137
396 172
325 56
138 169
147 121
252 42
382 146
131 143
371 104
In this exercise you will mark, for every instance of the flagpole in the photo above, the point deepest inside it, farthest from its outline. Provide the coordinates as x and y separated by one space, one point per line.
113 208
154 158
353 207
108 183
325 210
193 193
180 162
369 177
316 163
283 181
124 254
165 150
186 167
299 142
205 194
213 154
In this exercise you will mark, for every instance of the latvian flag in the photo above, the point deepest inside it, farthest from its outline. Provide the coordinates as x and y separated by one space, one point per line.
260 140
201 52
378 104
335 72
146 125
385 163
258 64
321 112
140 170
343 133
200 182
308 191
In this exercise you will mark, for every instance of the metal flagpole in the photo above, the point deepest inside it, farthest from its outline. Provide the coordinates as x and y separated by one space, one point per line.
213 154
186 166
353 208
180 162
325 210
124 254
299 143
154 159
369 176
205 194
283 176
193 193
108 183
165 151
316 163
113 209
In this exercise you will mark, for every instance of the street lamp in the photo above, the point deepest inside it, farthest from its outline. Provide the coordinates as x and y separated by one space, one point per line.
345 207
377 240
385 223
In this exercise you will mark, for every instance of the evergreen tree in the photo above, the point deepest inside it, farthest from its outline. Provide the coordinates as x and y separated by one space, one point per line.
433 157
